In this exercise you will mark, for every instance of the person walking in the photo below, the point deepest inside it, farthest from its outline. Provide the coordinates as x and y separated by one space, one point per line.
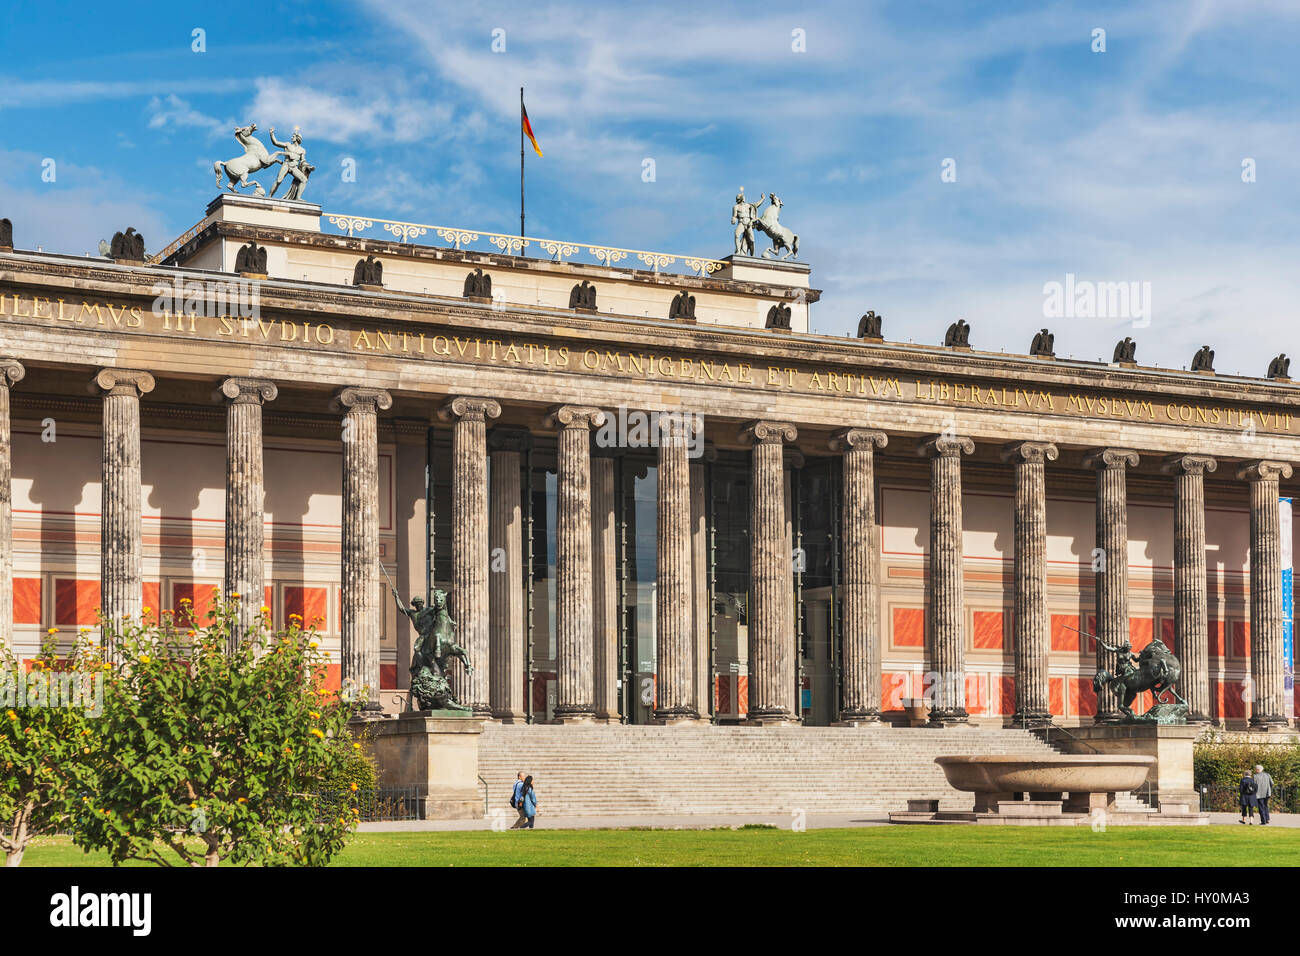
1246 796
1263 790
517 803
528 802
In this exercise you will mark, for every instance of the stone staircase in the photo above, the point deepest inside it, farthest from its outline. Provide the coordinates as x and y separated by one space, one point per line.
646 770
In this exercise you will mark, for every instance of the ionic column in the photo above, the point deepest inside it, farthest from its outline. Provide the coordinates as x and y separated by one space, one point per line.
1191 600
11 372
945 636
468 601
573 579
362 617
245 499
674 592
1266 709
860 656
121 586
771 612
506 578
1111 564
702 612
1031 622
604 589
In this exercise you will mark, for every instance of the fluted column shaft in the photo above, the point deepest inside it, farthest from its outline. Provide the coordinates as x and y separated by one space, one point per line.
121 584
506 576
674 593
771 612
11 372
361 612
946 633
700 590
1191 598
604 590
1033 708
1111 564
468 603
860 656
573 579
1266 665
245 498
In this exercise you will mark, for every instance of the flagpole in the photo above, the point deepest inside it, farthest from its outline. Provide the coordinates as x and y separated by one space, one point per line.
521 169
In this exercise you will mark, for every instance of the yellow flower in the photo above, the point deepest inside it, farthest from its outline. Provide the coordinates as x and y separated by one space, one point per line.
314 644
11 715
318 732
53 630
354 788
356 746
242 800
144 658
265 609
314 715
146 610
234 594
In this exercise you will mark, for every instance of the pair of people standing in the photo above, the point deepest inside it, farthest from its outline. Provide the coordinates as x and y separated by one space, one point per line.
1254 791
524 800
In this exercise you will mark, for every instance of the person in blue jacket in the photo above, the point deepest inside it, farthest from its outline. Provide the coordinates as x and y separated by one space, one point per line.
528 802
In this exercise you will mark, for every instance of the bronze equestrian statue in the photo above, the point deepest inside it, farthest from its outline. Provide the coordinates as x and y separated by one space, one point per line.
1155 669
434 649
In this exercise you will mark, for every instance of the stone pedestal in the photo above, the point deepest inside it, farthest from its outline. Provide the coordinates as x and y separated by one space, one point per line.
434 751
1171 778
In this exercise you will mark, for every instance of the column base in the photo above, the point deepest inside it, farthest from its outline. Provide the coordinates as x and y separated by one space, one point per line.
773 718
1269 723
861 722
955 717
509 718
574 717
665 718
1034 720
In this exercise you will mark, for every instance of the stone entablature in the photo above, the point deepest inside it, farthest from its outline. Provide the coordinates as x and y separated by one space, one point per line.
419 345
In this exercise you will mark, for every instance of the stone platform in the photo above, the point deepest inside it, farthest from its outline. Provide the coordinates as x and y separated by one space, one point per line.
1054 813
434 751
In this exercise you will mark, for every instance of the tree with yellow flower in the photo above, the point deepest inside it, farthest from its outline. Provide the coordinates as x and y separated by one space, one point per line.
215 755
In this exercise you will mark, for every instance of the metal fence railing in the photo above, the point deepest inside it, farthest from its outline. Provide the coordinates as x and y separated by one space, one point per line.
380 805
1223 798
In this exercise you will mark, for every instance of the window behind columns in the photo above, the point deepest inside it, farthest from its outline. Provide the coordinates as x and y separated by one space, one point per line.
818 534
728 508
543 500
638 477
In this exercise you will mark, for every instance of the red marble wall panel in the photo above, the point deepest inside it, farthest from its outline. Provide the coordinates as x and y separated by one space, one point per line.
1241 639
1064 639
1083 699
192 604
1056 696
909 627
988 630
310 604
76 602
1140 630
27 600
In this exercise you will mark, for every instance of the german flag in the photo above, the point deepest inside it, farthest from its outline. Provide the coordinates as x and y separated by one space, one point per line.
528 128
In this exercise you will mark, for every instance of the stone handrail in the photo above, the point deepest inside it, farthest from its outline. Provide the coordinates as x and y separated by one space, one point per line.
558 249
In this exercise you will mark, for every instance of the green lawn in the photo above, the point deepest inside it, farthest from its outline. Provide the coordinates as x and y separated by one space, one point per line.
867 846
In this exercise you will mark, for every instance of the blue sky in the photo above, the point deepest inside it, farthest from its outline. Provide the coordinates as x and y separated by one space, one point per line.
1117 166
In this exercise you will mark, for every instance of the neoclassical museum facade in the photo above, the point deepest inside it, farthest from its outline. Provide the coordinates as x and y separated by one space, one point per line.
650 495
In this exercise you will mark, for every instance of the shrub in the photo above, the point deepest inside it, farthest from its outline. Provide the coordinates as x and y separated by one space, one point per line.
211 754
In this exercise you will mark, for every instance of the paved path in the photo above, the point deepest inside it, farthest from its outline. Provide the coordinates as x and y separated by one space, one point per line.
695 821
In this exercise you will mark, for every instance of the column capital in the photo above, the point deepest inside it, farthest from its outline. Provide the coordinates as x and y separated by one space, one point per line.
1263 471
509 439
945 446
849 438
679 425
768 433
469 407
1188 465
1034 452
248 391
353 397
574 416
122 381
11 371
1110 458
